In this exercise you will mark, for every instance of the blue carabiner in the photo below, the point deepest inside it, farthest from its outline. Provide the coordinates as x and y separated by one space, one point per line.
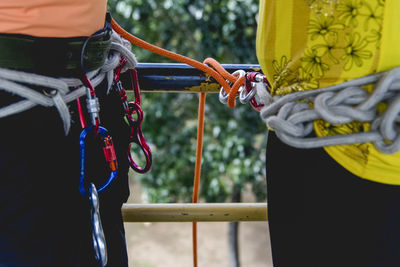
104 134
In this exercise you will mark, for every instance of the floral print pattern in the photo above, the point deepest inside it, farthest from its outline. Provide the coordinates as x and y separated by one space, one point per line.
355 51
341 33
313 63
349 12
322 26
342 36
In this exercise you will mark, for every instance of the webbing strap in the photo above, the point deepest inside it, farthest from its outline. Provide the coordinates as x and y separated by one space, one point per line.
52 56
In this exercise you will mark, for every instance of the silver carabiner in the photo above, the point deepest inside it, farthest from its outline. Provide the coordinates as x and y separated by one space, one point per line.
245 96
99 241
223 96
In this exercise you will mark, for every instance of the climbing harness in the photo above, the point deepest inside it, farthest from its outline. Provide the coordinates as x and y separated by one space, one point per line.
99 241
63 90
87 64
135 125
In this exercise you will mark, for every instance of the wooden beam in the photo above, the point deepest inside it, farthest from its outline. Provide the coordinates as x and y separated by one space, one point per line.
201 212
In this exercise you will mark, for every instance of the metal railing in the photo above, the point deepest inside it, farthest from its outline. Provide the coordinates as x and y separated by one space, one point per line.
181 78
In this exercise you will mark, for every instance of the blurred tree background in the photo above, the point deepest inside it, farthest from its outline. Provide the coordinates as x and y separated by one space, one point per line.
234 140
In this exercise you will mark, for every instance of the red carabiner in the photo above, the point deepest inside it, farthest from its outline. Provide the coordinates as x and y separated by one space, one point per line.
255 77
133 109
136 136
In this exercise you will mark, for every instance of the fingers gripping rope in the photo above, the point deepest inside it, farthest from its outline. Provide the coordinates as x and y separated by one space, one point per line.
292 119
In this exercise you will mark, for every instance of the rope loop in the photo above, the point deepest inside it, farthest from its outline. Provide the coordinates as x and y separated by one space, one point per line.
223 95
292 116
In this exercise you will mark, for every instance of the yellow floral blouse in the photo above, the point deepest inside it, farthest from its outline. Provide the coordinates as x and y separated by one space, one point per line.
309 44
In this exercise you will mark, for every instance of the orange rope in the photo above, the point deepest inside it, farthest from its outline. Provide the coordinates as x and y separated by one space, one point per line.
197 168
237 83
220 75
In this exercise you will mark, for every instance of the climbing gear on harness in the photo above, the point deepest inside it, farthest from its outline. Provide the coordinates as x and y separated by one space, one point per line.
223 96
109 154
292 118
247 92
132 108
92 103
68 89
136 133
99 240
252 79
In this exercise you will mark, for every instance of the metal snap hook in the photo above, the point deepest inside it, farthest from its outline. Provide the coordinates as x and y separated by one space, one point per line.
245 95
99 240
223 96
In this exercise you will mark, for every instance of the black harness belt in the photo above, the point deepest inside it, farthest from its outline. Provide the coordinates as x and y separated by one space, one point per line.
54 56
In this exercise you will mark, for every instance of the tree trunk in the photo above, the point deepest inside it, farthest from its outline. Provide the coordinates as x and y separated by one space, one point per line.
233 232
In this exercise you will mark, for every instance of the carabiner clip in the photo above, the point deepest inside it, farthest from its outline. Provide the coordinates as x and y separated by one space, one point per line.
251 79
136 136
99 240
109 154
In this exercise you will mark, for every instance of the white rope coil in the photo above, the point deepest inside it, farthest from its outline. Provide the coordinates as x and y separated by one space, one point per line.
61 90
291 117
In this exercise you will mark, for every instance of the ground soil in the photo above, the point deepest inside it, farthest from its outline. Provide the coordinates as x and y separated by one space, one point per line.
170 244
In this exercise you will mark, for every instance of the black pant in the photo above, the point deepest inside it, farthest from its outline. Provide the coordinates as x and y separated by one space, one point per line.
322 215
44 221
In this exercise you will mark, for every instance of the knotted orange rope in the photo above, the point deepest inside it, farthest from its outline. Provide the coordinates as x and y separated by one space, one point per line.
220 75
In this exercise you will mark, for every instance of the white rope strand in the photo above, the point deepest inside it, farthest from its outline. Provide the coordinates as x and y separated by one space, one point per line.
62 90
292 118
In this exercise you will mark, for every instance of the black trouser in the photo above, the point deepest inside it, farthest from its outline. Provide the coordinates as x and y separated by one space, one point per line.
322 215
44 221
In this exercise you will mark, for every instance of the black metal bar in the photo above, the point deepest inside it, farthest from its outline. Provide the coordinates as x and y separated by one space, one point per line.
173 77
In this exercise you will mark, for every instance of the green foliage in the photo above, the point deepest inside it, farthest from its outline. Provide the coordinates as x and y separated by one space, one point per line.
234 140
222 29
